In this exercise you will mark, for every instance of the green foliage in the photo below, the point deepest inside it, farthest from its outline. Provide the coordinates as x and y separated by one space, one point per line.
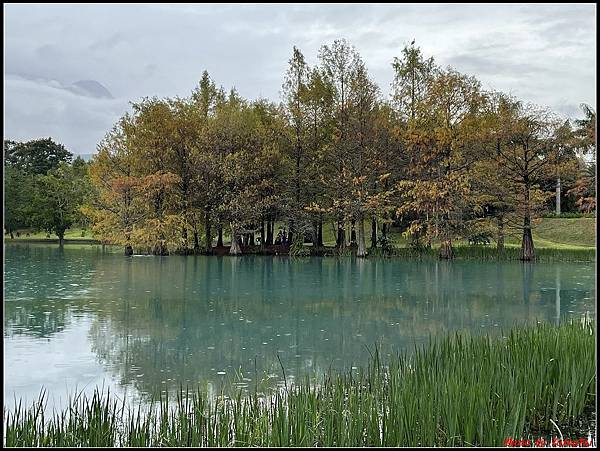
18 192
479 239
57 197
586 130
297 249
386 245
42 188
37 156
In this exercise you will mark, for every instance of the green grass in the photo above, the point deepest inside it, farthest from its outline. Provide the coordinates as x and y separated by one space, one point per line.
554 233
457 391
70 234
570 239
563 231
490 253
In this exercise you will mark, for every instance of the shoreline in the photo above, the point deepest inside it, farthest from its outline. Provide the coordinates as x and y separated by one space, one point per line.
53 241
473 253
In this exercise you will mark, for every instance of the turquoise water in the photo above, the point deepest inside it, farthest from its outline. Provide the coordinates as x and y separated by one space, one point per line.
78 317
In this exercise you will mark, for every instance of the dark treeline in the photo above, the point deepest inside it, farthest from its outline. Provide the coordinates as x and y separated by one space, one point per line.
442 158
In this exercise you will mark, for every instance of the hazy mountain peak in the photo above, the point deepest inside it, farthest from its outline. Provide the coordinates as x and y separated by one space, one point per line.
90 88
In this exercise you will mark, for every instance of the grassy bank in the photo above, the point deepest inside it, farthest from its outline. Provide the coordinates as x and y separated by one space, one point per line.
487 253
548 232
567 231
456 391
555 239
73 234
554 233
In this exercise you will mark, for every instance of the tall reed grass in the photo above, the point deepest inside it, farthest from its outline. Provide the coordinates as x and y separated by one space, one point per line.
456 391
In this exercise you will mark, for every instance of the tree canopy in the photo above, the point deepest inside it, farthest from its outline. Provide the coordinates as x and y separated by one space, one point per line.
442 158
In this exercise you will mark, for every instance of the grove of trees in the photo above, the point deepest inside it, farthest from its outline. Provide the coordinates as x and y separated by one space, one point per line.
44 187
441 157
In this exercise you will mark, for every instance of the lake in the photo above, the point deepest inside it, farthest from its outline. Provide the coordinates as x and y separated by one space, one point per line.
78 317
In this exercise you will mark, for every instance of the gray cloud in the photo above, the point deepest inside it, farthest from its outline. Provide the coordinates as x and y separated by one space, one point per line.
487 65
540 53
38 109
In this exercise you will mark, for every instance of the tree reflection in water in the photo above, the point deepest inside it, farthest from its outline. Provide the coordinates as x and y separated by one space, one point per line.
157 322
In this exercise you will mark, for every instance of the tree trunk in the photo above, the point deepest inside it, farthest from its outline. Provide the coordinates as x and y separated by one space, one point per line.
500 245
207 227
527 249
184 238
373 233
235 248
320 233
160 248
61 238
416 240
220 236
558 196
196 242
262 234
128 247
362 252
384 230
292 232
341 235
353 233
446 251
315 233
270 227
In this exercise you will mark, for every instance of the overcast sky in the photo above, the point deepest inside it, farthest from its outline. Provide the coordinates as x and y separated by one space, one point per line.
70 70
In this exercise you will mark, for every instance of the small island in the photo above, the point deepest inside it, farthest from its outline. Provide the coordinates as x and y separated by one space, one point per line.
261 236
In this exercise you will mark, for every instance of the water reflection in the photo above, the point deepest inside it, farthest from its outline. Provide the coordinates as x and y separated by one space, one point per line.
147 323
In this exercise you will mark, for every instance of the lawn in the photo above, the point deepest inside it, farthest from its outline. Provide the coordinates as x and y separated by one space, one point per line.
71 234
562 231
555 233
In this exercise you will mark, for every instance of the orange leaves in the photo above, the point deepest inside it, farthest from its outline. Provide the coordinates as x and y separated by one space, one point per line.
123 185
160 180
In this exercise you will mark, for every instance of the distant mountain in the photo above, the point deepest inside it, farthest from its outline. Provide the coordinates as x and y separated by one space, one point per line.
90 88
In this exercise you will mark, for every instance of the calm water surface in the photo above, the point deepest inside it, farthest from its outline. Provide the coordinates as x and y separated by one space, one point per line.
80 318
